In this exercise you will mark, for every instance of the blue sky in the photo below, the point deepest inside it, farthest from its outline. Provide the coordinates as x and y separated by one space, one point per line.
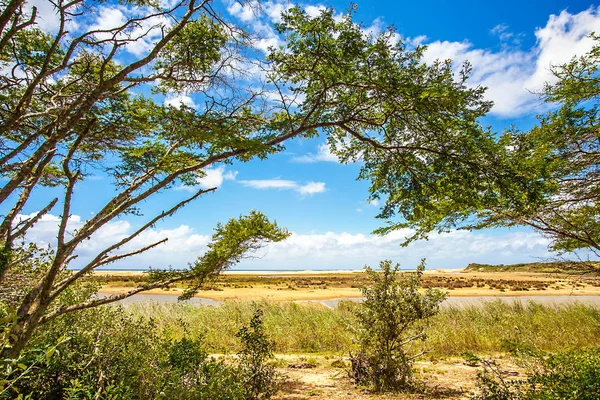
511 46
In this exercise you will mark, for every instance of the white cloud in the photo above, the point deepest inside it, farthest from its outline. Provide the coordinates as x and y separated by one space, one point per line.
269 184
275 9
323 154
177 100
374 202
449 250
47 17
212 178
375 29
514 75
501 30
245 12
284 184
266 37
330 250
183 246
142 35
311 188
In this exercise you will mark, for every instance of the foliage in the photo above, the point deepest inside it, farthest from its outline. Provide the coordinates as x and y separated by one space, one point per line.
563 151
565 267
390 320
566 375
260 379
415 126
14 372
230 243
111 354
545 178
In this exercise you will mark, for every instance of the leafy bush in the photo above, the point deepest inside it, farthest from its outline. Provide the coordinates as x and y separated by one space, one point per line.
389 320
110 354
572 375
261 381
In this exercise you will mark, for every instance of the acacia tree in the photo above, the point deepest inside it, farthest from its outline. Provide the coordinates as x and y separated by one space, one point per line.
562 155
436 170
69 109
414 126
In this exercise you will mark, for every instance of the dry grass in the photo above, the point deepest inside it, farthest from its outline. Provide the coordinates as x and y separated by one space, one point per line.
321 286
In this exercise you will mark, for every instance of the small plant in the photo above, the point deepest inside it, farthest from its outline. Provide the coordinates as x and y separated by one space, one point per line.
471 359
571 375
390 320
261 381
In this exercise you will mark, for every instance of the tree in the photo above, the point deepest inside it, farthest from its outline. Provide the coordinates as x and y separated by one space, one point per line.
84 100
388 320
546 178
414 126
563 155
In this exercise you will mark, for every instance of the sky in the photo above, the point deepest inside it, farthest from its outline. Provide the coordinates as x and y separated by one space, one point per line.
511 46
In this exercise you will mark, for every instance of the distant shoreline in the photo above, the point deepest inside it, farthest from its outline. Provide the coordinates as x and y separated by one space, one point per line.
273 272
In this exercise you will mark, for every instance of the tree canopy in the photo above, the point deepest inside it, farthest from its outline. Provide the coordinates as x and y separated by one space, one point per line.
562 155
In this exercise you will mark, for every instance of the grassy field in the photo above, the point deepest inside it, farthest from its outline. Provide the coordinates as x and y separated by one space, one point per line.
310 328
309 334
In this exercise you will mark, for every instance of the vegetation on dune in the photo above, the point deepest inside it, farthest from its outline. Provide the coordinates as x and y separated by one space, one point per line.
109 353
330 282
569 267
566 375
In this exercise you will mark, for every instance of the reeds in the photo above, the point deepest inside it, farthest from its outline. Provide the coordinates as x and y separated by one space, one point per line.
312 328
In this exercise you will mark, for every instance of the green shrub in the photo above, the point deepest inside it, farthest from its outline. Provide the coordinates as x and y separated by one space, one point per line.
261 381
390 320
111 354
571 375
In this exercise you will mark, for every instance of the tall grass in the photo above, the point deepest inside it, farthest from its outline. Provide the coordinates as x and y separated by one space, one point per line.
487 328
295 327
311 328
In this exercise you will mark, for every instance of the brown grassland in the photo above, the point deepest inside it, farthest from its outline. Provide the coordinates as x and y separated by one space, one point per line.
323 285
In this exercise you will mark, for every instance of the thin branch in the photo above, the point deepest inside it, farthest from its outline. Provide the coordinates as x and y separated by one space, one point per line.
100 258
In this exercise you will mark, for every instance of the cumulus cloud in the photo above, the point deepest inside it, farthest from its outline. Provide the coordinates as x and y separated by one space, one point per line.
184 244
142 35
211 178
177 100
513 75
47 18
448 250
274 9
284 184
330 250
323 154
311 188
315 10
214 177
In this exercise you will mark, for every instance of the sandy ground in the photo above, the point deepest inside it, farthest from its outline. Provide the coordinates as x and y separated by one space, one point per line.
562 285
443 379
